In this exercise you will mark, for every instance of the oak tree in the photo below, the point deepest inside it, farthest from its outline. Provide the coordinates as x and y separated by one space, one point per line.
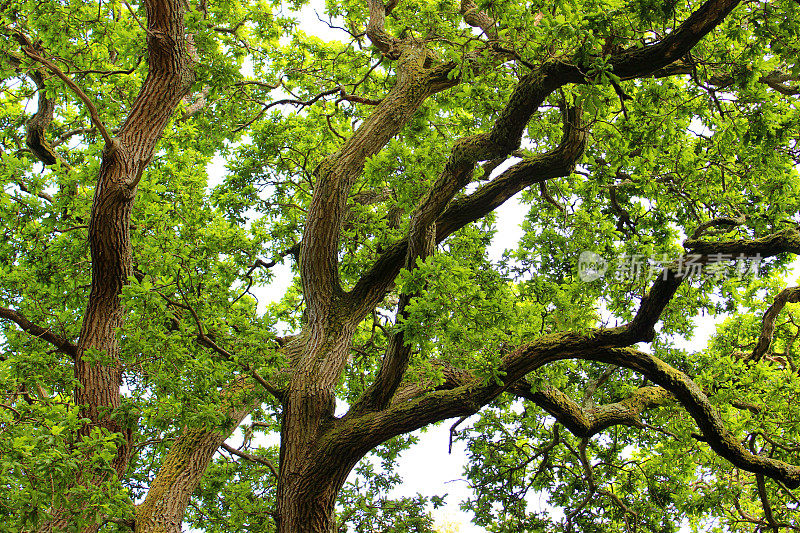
145 386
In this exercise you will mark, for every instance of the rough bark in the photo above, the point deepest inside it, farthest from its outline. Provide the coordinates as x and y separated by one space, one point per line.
790 295
169 77
463 394
164 506
35 129
97 364
318 450
305 501
587 422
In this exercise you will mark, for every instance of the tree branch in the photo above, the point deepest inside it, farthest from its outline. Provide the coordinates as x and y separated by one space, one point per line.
790 295
183 467
478 19
463 394
39 332
372 286
387 44
252 458
589 422
95 116
721 221
208 342
506 134
468 397
784 241
286 101
35 138
421 244
338 172
639 62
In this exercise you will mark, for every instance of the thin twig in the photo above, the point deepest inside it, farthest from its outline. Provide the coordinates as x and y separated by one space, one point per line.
253 458
133 14
77 90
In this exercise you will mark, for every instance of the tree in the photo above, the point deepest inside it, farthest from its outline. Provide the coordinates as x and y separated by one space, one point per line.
373 164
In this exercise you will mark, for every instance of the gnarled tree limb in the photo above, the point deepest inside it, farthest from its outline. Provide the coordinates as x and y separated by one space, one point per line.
583 422
33 54
39 332
790 295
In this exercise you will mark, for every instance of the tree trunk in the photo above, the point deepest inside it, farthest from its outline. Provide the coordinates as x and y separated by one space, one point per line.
109 238
164 506
97 365
309 481
306 497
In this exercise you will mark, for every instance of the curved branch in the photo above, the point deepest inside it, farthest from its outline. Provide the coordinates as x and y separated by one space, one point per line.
790 295
721 221
387 44
699 407
372 286
589 422
506 134
181 470
252 458
639 62
337 173
62 344
463 394
35 138
787 240
31 53
420 241
286 101
170 72
468 397
398 352
478 19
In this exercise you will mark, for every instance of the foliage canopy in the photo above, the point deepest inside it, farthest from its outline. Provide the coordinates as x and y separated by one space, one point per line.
143 384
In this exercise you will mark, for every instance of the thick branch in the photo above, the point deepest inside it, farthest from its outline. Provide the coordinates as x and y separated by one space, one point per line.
777 80
506 134
728 222
43 195
337 173
647 60
398 352
699 407
387 44
39 332
468 397
588 422
124 160
790 295
35 129
371 288
787 240
181 470
478 19
465 394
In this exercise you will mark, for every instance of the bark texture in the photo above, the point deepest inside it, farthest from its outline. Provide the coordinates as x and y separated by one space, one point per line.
97 365
169 76
181 470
